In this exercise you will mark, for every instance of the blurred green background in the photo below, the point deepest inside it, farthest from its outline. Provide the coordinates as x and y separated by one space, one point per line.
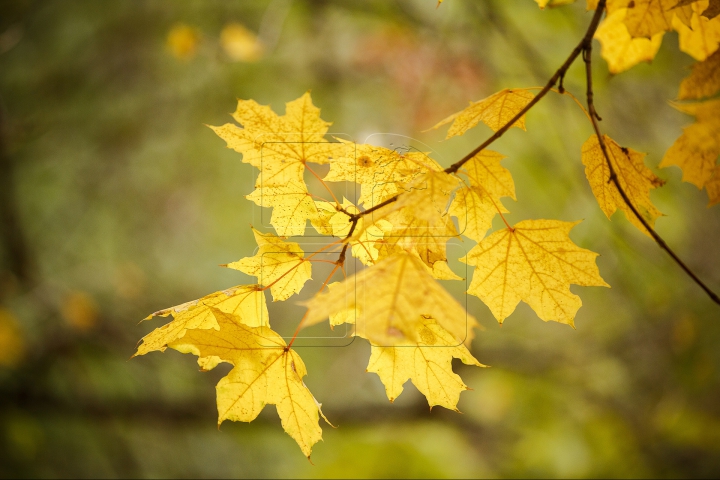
117 201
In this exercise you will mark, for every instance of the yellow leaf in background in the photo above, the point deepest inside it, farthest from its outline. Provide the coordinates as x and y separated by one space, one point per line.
240 44
390 298
265 372
535 262
12 342
713 187
619 49
80 311
702 38
494 111
704 81
382 173
182 41
427 363
696 150
277 263
634 177
247 302
292 206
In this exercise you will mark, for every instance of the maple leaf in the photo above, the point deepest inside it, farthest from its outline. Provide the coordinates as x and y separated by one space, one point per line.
389 299
697 149
427 363
534 261
634 177
476 206
702 38
382 173
704 80
245 301
280 146
709 9
292 206
494 111
277 263
619 49
265 372
646 18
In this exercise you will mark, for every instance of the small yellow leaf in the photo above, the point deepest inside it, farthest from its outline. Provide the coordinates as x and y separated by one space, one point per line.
619 49
247 302
182 41
240 44
535 262
702 38
265 372
634 177
704 81
389 299
696 150
427 363
277 263
494 111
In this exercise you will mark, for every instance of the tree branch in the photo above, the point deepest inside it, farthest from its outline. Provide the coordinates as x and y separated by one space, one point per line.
594 117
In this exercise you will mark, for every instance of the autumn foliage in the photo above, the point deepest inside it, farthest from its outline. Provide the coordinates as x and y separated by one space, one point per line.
408 208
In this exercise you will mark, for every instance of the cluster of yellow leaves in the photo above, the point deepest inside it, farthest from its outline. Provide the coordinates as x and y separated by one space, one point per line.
631 33
414 325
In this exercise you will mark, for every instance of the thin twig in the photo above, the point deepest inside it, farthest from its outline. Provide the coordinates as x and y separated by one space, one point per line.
594 117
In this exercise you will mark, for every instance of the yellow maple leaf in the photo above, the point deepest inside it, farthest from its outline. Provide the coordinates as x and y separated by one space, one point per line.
292 207
265 372
245 301
702 37
427 363
281 146
535 262
634 177
494 111
619 49
476 206
696 150
703 81
646 18
474 211
277 263
389 299
381 173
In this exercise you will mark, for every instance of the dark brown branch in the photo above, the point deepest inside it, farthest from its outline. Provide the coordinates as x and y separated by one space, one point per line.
594 117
